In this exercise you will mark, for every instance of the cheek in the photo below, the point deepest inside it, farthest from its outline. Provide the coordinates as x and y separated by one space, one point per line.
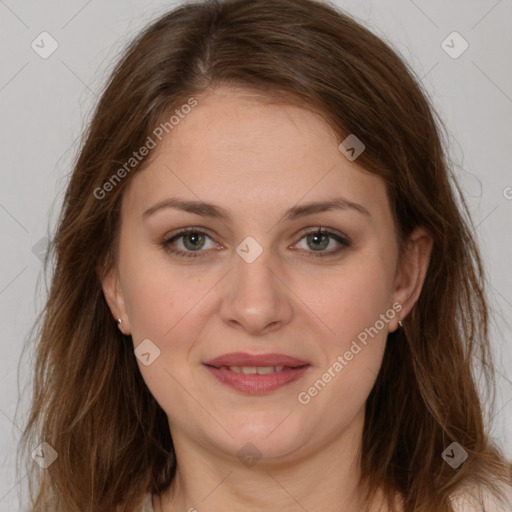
338 390
168 307
152 305
354 297
161 296
355 305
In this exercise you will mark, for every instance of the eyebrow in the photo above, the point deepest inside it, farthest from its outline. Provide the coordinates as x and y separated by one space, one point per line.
217 212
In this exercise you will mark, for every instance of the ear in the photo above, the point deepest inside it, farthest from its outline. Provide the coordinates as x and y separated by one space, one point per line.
411 271
115 298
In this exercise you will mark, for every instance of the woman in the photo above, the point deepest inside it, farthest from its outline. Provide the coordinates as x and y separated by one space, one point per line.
265 295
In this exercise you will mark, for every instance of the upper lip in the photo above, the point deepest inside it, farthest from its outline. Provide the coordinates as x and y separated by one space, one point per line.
245 359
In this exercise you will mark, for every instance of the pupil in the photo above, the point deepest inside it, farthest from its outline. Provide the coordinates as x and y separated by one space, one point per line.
194 237
319 237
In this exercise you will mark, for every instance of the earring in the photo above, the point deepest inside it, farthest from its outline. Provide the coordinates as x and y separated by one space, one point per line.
119 321
400 323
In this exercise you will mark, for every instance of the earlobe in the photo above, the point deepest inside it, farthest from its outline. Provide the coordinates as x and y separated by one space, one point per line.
115 300
414 263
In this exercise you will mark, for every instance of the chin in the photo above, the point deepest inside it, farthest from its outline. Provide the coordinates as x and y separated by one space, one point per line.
270 438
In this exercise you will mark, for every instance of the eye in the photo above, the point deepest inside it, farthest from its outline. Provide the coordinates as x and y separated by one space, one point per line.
192 241
319 239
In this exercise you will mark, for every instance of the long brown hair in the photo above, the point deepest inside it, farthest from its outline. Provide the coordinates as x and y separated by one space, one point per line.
90 402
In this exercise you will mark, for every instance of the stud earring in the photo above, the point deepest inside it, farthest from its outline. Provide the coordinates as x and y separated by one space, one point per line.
400 323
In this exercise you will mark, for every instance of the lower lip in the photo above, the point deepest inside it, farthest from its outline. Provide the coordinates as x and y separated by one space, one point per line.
255 384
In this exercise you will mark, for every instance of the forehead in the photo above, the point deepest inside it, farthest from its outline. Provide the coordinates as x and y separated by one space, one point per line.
237 150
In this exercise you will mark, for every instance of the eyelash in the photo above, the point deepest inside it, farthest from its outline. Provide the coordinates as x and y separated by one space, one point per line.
166 244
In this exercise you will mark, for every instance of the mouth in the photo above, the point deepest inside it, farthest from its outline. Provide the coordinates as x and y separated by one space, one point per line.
235 360
257 370
257 380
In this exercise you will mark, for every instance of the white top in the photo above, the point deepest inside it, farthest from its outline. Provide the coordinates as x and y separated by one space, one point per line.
467 502
462 501
148 504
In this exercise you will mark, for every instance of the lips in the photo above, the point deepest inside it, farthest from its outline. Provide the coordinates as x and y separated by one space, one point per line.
256 374
258 360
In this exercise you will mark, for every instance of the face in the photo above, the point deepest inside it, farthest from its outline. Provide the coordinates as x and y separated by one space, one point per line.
270 274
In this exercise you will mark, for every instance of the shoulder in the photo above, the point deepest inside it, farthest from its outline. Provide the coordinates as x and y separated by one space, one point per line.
470 499
148 504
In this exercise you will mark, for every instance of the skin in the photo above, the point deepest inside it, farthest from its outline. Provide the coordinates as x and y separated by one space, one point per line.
256 160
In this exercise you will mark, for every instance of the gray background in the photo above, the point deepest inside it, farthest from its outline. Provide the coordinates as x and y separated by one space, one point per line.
46 102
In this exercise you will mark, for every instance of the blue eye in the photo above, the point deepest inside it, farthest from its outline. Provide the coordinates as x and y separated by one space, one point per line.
194 240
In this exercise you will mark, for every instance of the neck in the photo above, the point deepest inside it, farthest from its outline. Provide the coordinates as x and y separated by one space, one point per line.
323 478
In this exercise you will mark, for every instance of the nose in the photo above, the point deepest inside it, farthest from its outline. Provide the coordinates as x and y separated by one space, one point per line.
255 298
